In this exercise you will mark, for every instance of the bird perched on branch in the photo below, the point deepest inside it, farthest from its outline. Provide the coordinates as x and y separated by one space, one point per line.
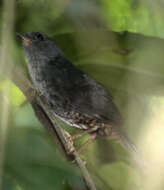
71 94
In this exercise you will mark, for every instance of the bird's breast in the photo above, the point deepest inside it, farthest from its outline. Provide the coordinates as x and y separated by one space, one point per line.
37 77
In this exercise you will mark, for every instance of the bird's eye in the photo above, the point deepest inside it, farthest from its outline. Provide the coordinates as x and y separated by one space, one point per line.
39 36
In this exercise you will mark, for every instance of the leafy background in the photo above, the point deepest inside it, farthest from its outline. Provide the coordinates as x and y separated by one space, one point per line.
120 44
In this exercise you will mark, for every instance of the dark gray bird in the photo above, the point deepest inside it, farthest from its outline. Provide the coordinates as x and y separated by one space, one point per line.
71 94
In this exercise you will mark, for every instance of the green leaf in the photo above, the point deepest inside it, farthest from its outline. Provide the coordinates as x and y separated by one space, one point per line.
33 162
120 176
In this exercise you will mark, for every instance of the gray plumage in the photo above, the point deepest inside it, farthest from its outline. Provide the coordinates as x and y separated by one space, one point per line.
71 94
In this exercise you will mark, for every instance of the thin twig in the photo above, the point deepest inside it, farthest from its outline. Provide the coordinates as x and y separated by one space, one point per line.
68 145
46 117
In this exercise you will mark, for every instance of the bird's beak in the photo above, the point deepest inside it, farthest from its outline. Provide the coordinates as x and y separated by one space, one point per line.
25 39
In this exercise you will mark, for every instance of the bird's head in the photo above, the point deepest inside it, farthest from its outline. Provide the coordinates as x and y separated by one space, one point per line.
39 44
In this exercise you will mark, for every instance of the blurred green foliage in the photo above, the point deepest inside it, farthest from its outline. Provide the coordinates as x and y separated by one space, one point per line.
81 28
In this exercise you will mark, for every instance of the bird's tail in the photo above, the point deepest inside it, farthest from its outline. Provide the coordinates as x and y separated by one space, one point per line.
126 142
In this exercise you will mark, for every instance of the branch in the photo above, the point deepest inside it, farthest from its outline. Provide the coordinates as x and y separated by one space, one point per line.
48 120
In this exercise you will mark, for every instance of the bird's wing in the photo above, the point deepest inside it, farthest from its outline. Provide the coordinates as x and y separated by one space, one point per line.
93 99
83 93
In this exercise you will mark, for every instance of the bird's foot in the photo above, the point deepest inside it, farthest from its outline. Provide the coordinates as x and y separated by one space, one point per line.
89 141
84 146
90 130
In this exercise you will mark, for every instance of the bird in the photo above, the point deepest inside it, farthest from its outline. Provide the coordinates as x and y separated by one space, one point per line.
70 93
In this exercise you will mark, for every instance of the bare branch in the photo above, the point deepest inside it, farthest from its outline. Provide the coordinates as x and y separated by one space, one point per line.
48 120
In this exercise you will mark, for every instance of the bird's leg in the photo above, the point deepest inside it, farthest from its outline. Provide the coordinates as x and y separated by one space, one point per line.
76 136
90 141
